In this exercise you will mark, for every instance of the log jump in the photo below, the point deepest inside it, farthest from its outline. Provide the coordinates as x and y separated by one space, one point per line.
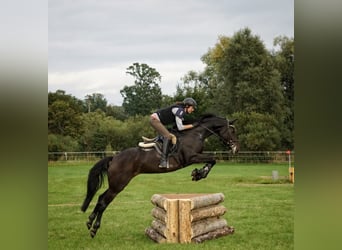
185 218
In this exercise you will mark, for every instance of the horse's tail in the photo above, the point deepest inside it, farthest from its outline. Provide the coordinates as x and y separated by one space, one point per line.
95 180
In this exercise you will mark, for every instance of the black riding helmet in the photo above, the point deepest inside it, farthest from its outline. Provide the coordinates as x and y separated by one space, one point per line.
190 102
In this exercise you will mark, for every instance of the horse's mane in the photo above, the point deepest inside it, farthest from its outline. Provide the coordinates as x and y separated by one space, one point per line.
202 118
206 116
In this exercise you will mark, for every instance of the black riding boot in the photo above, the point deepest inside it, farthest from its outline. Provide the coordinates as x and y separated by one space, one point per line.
164 161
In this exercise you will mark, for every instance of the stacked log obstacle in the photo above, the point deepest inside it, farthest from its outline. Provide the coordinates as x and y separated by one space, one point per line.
185 218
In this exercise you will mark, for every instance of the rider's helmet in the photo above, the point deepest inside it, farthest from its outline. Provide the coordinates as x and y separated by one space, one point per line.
190 102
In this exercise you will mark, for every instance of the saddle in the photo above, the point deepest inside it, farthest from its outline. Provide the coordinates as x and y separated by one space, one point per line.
156 143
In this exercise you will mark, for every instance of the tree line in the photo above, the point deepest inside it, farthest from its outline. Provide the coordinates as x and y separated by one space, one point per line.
241 79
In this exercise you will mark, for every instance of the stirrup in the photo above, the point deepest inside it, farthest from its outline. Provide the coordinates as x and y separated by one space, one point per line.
166 162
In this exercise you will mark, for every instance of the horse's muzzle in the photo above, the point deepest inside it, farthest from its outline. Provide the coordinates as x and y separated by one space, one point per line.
233 147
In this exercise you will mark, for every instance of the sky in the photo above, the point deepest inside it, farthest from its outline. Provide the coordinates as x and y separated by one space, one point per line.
92 42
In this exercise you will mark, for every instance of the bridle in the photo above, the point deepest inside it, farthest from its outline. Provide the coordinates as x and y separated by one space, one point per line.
230 143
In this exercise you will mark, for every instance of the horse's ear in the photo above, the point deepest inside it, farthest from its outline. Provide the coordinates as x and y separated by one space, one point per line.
232 121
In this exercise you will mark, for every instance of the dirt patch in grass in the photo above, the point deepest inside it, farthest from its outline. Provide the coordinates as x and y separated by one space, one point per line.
261 180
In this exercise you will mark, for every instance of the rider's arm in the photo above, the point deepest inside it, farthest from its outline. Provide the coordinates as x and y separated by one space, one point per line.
181 126
179 113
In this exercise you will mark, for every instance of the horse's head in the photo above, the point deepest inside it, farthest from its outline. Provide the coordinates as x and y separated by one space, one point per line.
232 137
224 129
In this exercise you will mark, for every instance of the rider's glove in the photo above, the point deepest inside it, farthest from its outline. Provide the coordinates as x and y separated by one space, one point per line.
195 124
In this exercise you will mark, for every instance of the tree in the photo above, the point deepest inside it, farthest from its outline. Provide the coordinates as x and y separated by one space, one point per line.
145 95
60 143
117 112
192 86
255 89
284 62
258 132
90 140
64 114
94 102
243 82
214 75
167 100
101 131
250 74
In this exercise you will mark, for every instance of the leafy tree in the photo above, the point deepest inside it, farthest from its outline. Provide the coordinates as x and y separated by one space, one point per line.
284 62
257 132
244 81
64 114
256 91
91 140
167 100
117 112
95 101
193 86
214 75
60 143
251 77
136 127
145 95
101 131
114 132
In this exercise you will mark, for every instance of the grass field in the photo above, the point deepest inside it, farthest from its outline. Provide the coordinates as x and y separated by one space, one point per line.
261 210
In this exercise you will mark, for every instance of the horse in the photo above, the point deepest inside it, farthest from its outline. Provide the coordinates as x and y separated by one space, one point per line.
121 168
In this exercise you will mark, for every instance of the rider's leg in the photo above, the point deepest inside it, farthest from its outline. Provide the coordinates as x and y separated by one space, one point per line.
164 157
159 127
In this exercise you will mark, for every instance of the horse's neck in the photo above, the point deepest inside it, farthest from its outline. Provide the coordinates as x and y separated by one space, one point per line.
208 129
205 130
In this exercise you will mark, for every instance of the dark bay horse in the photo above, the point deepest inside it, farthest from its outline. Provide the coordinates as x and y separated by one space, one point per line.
122 167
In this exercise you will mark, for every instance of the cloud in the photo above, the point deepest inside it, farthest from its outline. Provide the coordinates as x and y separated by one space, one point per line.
91 43
109 81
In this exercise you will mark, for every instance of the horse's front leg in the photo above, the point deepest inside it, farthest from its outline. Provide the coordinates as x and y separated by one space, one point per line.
202 173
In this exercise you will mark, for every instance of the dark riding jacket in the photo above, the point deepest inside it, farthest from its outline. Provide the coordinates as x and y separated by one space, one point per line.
167 117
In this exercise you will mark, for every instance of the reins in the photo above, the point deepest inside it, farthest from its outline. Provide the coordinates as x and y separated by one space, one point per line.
218 136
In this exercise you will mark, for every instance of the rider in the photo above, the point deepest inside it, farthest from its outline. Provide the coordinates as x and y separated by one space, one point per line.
170 115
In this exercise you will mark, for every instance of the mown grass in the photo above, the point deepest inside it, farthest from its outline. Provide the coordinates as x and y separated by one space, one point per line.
261 210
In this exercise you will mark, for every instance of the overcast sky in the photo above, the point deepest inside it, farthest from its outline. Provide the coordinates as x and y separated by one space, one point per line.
93 42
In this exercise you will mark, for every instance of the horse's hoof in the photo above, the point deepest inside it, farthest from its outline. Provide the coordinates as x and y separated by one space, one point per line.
196 177
88 225
92 233
194 172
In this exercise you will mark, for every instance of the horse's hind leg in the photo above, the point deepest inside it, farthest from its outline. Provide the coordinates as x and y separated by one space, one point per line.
93 215
102 203
118 180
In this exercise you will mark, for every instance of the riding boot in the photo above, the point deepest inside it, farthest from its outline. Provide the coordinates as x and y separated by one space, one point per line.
164 161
